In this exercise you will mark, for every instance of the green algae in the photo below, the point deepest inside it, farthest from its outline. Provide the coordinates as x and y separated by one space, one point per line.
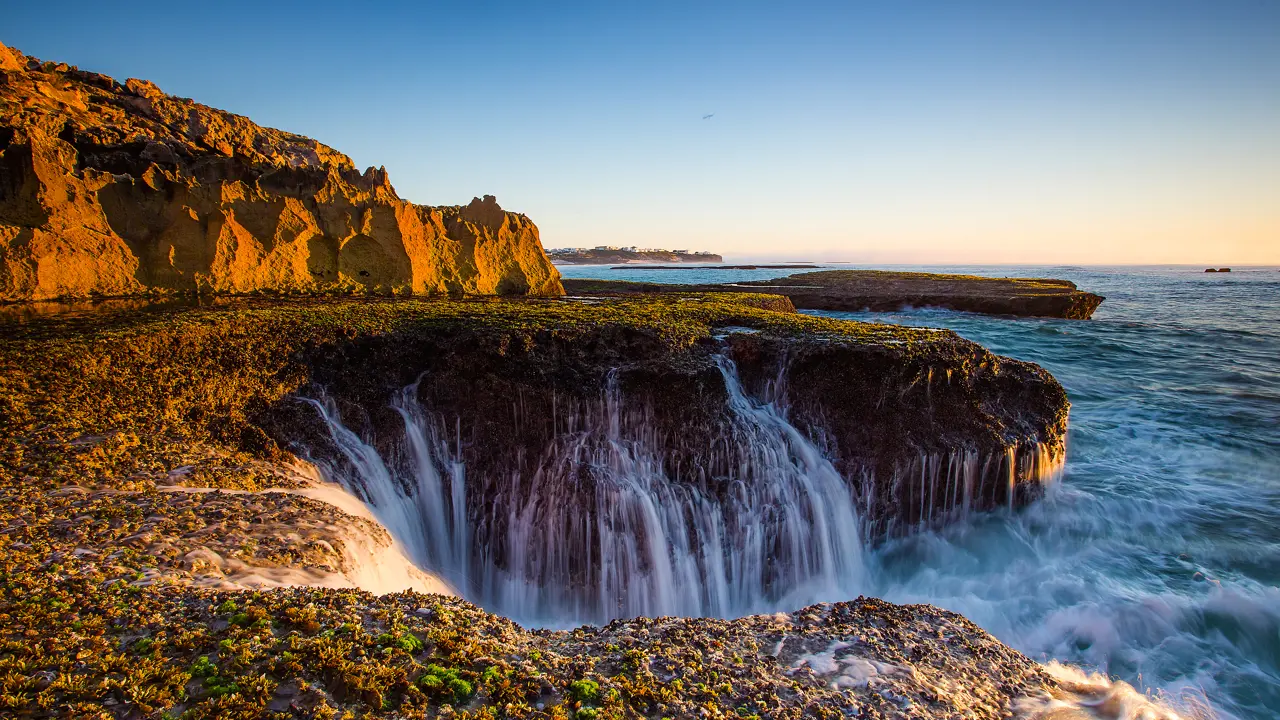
120 401
329 657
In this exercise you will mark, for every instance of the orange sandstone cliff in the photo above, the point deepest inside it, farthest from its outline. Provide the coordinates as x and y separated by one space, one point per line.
111 189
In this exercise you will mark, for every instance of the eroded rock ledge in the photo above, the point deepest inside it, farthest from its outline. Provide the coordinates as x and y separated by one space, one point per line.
111 189
120 402
878 290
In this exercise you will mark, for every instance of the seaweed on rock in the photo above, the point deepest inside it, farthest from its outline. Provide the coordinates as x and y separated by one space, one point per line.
103 409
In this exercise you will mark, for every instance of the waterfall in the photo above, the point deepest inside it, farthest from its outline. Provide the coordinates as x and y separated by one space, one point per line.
604 524
934 489
600 530
419 510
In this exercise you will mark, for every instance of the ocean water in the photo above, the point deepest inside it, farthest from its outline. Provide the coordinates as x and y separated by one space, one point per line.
1156 558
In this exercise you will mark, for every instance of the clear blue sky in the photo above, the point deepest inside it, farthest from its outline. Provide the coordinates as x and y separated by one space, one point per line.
1085 131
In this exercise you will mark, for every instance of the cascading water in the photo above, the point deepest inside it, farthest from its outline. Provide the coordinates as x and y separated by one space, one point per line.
601 530
933 490
421 508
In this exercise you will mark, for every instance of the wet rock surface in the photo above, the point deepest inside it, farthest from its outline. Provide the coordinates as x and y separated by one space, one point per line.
112 189
77 644
877 290
113 567
208 539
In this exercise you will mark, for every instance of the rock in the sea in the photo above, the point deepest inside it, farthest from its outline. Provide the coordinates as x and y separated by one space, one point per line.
109 410
110 189
562 416
877 290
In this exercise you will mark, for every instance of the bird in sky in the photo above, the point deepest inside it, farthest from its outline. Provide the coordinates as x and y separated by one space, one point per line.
708 117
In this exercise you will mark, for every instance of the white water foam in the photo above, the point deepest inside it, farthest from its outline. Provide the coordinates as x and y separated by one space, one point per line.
1083 696
848 670
373 562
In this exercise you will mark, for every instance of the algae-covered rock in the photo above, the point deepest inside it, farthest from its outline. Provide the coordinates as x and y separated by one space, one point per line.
105 411
919 423
120 651
879 290
111 189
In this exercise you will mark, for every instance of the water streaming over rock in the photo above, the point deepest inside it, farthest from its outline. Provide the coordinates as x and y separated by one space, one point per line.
600 530
932 490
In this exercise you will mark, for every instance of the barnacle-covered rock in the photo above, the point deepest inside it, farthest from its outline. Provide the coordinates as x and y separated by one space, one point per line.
120 598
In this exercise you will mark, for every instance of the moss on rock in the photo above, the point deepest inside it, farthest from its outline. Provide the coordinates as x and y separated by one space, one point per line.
101 408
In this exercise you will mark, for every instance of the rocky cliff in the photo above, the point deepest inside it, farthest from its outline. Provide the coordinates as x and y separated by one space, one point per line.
110 189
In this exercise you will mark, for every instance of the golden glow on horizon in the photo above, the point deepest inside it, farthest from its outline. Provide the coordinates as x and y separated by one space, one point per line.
1187 237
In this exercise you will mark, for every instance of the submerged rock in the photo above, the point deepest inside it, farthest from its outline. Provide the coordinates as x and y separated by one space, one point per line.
120 189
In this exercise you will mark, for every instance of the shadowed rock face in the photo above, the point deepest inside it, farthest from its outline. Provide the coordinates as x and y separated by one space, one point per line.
899 414
119 189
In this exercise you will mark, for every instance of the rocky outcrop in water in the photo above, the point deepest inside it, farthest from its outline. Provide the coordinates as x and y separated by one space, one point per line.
637 476
876 290
885 291
111 189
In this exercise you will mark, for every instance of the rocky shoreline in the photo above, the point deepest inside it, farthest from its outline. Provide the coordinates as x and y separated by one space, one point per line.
107 413
111 649
877 290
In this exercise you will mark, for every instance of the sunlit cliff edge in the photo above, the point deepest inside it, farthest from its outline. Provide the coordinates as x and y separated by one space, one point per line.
111 189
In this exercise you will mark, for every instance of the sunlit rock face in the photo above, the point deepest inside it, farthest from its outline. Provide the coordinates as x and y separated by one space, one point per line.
119 189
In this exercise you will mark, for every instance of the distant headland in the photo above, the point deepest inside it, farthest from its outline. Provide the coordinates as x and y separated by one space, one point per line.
610 255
